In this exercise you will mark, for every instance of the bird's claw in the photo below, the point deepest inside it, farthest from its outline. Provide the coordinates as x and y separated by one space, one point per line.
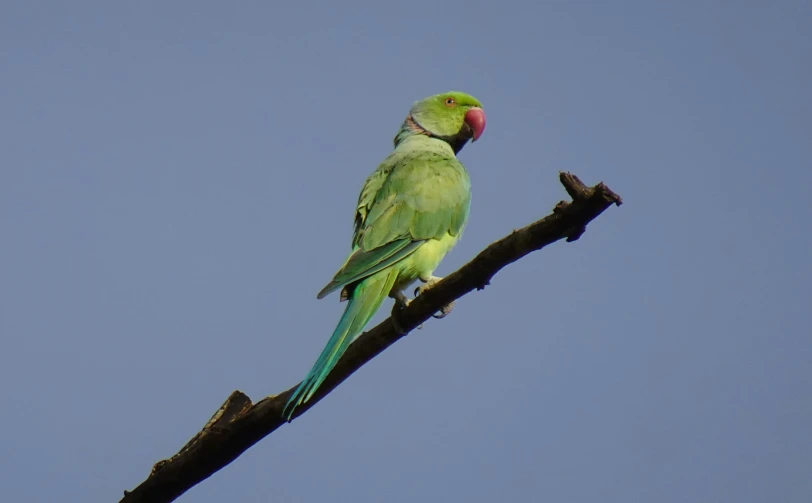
446 309
401 303
397 326
427 284
401 300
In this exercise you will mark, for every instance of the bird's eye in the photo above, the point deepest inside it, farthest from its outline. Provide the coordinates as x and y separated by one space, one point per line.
450 102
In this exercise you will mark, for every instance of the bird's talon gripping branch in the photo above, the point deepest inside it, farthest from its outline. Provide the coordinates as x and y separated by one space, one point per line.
429 283
444 311
401 300
396 322
401 303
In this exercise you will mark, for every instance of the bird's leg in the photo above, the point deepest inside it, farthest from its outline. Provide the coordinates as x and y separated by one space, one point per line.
429 282
401 302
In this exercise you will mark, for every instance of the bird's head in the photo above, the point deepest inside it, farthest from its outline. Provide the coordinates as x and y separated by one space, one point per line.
453 117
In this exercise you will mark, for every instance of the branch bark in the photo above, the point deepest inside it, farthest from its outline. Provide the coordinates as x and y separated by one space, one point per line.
238 423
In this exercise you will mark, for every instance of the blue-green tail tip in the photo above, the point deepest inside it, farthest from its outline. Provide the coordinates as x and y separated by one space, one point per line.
295 400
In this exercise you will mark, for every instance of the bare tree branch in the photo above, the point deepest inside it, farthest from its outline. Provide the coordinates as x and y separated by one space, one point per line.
238 423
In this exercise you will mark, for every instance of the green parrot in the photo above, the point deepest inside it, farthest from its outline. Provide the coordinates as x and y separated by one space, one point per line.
411 212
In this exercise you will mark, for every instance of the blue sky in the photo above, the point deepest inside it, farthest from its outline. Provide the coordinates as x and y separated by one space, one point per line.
178 180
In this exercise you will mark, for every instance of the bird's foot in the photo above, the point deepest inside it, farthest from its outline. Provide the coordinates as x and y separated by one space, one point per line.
401 303
444 311
428 284
401 300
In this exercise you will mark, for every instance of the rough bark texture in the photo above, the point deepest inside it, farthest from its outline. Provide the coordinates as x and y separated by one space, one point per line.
238 423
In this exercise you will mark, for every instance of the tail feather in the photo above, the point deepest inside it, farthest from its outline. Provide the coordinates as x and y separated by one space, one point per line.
366 298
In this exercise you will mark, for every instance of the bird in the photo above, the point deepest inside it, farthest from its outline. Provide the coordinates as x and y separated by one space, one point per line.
411 212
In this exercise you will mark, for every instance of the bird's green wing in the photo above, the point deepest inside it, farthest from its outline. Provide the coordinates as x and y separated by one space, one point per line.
410 199
426 196
361 264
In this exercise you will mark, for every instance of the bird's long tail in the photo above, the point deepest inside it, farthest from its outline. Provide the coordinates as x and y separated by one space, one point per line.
365 300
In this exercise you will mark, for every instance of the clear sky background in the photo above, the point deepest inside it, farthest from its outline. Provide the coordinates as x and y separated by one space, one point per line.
177 181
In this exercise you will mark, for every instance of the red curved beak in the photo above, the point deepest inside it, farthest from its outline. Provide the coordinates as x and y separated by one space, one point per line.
475 118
